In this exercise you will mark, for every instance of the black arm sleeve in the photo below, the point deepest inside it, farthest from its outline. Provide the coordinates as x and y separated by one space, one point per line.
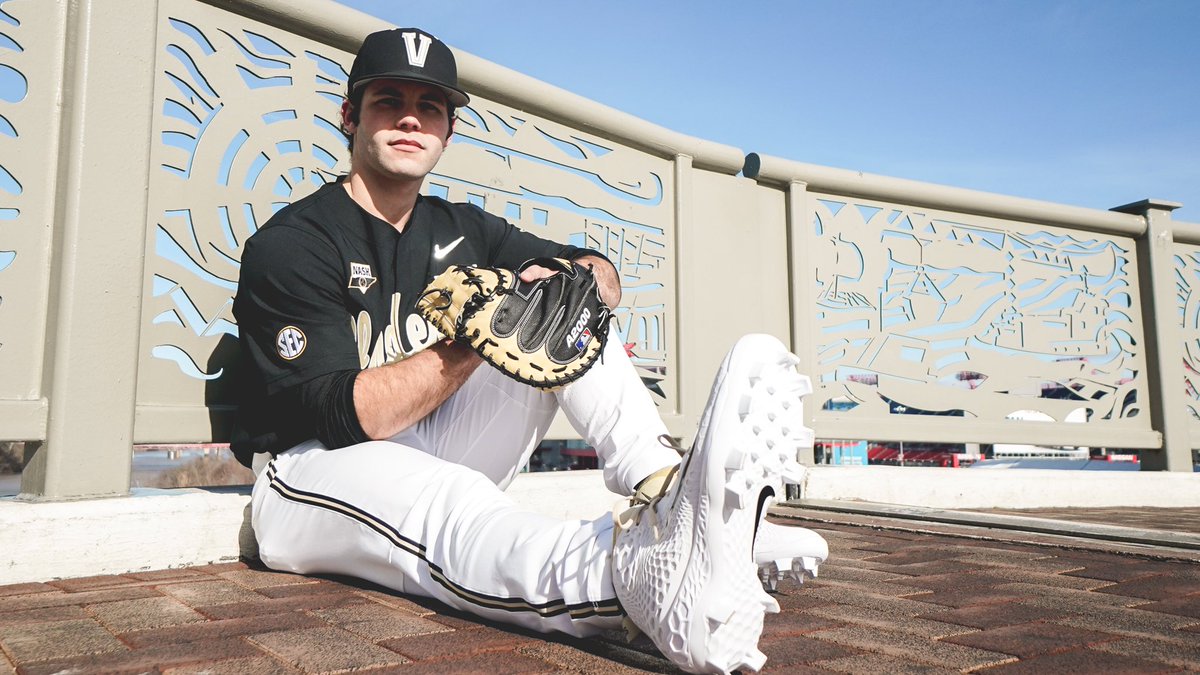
321 408
328 400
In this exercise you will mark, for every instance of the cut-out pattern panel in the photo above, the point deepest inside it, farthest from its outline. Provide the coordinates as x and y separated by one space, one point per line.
247 122
14 89
922 312
31 33
1187 284
569 186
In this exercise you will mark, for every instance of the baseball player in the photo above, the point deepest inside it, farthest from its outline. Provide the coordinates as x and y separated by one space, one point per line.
382 449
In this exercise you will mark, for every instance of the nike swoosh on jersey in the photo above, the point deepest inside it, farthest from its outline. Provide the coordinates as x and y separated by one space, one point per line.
439 252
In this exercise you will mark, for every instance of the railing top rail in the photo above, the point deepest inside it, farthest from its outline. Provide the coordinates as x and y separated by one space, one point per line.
344 28
766 168
1186 233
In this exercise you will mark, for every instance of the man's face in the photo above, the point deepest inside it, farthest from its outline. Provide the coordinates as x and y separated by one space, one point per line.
402 129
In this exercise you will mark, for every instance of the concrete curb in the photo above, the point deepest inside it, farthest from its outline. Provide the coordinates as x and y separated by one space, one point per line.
161 529
148 530
1071 528
996 488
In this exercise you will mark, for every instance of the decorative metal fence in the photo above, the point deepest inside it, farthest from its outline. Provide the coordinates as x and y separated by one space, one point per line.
141 143
929 313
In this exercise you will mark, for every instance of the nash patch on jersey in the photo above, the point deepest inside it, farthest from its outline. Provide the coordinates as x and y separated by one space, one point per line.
361 277
290 342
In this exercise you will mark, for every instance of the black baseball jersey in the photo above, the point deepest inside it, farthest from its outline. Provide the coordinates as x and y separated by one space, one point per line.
326 286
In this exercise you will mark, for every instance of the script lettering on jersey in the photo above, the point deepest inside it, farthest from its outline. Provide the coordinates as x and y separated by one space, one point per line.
386 346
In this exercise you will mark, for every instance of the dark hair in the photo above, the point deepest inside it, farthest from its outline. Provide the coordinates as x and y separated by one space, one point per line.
355 98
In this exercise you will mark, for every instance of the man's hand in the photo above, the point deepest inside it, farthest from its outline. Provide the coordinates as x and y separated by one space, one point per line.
606 277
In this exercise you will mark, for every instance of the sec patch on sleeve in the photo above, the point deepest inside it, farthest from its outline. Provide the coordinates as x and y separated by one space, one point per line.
290 342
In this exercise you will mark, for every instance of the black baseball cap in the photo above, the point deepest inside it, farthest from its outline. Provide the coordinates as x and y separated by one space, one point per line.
407 54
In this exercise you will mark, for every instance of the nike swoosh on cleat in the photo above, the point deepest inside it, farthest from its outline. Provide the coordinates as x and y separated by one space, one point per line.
439 252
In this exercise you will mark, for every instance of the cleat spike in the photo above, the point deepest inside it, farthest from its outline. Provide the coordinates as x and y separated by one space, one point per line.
808 564
735 497
796 574
764 575
805 385
755 660
770 605
736 459
744 406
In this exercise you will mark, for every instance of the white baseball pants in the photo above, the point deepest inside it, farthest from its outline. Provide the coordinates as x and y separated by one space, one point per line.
424 512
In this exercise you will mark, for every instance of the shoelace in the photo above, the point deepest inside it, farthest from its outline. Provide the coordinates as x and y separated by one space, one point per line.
627 515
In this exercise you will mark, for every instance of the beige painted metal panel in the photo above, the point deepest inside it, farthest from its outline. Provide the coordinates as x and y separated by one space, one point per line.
99 219
23 419
245 122
925 321
32 33
732 277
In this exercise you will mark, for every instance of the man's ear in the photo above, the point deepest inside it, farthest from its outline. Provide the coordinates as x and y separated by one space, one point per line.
348 124
450 130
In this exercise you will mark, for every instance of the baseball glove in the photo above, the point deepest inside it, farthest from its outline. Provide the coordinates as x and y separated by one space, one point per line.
544 333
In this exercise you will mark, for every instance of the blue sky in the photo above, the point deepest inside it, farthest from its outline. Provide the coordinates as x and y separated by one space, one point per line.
1087 102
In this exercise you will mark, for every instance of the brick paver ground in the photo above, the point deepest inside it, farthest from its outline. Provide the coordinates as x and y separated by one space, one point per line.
895 597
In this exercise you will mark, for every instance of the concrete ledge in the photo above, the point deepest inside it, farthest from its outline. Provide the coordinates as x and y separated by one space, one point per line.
1005 521
160 529
1001 488
151 529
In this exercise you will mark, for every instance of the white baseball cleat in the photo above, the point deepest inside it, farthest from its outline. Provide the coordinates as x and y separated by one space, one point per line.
783 551
683 564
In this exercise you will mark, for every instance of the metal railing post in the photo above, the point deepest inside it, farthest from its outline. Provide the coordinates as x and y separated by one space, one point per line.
97 252
1164 339
800 272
